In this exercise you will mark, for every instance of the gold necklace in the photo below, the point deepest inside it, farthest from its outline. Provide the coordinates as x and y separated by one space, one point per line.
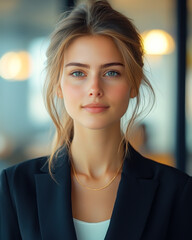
95 189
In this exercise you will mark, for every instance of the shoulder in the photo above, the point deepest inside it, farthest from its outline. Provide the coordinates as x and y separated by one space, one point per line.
33 165
150 169
160 168
174 194
173 186
170 178
23 170
166 170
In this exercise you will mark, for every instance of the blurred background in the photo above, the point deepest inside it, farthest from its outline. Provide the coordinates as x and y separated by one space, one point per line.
26 131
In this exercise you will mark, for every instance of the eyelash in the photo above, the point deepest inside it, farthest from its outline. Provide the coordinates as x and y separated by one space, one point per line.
80 72
112 71
72 74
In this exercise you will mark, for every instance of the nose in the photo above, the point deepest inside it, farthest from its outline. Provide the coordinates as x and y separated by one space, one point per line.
95 88
95 93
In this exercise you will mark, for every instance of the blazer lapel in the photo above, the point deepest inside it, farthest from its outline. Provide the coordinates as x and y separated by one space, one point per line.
54 201
134 199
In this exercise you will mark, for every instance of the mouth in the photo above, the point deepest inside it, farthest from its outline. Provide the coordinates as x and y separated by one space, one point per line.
95 108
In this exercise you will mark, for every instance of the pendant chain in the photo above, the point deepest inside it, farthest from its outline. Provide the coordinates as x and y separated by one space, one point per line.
95 189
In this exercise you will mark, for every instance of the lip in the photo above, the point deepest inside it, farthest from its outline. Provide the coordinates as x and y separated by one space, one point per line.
95 107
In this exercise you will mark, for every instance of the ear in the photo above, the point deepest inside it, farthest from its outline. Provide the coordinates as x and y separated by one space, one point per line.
59 92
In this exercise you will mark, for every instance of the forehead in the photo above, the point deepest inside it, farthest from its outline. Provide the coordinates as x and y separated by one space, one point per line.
97 48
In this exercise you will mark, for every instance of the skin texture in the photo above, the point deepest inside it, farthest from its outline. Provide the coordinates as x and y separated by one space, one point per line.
94 72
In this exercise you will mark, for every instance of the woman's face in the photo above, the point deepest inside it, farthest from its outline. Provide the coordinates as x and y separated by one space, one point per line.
94 86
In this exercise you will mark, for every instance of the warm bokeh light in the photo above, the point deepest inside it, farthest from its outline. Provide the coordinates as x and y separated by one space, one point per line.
15 66
158 42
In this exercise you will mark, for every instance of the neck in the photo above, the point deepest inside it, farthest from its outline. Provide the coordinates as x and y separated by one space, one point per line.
97 152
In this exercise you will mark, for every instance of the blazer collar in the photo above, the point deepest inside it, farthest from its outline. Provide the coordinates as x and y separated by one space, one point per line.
132 206
54 200
134 199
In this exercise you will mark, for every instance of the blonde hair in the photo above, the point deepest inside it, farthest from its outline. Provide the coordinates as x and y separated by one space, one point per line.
90 18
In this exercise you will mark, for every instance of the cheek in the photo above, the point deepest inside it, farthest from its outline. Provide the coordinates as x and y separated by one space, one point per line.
71 95
70 92
120 97
121 94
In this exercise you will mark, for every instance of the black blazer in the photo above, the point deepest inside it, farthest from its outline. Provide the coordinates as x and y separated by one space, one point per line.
153 202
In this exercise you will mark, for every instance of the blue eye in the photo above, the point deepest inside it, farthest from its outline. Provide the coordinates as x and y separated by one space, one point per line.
78 74
112 74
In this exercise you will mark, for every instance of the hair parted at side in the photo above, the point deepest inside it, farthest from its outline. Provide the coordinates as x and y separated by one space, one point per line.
91 17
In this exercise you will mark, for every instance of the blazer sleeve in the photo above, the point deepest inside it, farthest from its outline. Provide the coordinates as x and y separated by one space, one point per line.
181 224
9 228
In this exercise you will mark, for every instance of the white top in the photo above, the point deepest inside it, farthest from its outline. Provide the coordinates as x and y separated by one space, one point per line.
90 231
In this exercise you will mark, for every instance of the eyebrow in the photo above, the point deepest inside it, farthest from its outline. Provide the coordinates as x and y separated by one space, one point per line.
87 66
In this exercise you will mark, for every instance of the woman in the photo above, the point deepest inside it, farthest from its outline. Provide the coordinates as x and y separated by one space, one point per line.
94 185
